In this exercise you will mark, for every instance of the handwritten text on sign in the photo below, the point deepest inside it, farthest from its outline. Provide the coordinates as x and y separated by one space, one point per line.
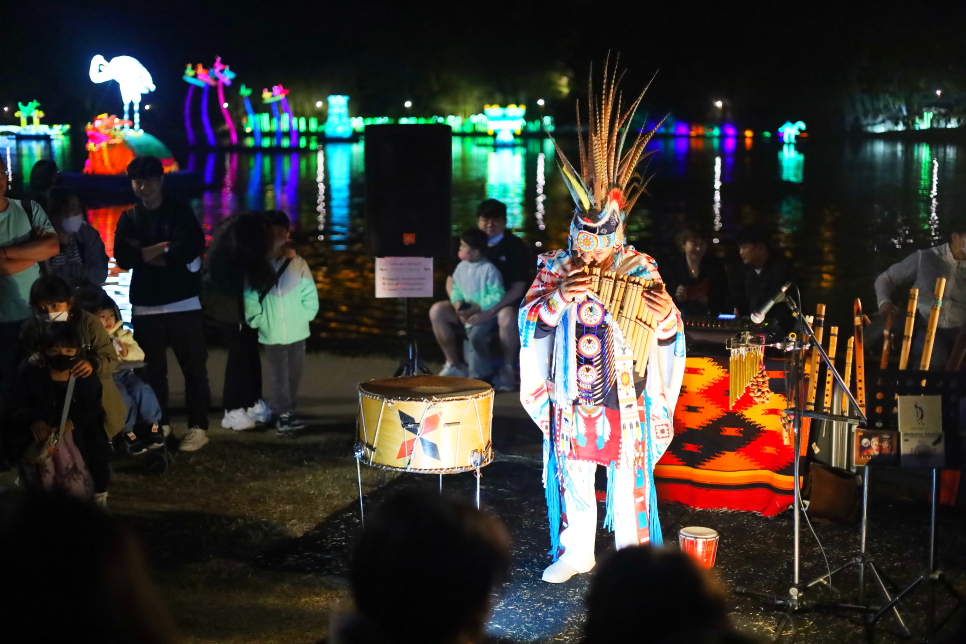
404 277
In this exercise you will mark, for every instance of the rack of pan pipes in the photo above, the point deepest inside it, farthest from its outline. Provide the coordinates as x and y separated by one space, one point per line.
747 359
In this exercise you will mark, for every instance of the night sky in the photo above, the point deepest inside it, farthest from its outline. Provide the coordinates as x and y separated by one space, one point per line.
767 61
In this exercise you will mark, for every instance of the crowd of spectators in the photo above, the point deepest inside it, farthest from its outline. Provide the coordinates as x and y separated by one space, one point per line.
54 313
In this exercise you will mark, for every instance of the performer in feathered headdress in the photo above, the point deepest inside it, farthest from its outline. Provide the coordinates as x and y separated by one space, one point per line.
577 368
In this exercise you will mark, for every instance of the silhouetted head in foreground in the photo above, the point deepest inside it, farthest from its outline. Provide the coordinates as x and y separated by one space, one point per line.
644 595
70 573
425 569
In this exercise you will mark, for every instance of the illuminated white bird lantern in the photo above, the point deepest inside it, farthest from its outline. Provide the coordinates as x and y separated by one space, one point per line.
133 79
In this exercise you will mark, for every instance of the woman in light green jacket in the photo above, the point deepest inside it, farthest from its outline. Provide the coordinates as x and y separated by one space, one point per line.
280 303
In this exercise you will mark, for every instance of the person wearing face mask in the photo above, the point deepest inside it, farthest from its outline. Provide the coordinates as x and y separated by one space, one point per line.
38 397
53 301
476 285
82 259
280 303
696 279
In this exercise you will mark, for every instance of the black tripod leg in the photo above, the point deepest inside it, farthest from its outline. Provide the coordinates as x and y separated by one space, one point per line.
888 597
895 600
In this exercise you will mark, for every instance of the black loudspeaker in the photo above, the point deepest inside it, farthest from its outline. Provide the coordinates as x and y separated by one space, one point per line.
409 175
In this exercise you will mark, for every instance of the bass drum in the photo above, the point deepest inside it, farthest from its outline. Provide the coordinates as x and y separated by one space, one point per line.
429 424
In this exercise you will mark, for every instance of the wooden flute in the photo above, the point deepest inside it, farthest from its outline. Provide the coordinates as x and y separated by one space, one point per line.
937 302
833 345
886 342
909 327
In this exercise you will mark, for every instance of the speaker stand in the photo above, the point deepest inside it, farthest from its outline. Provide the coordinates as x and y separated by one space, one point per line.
411 365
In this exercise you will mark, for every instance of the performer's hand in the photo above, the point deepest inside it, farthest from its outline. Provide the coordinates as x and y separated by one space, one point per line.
681 293
574 285
659 302
886 308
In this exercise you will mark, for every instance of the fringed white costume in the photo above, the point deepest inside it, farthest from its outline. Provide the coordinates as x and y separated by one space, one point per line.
577 372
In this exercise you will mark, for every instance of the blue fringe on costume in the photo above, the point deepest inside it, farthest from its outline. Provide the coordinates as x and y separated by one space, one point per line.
554 498
609 513
653 520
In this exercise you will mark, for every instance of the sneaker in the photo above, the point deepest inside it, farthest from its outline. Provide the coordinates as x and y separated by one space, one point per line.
454 371
260 413
194 439
506 380
283 426
156 438
237 420
100 500
296 422
133 446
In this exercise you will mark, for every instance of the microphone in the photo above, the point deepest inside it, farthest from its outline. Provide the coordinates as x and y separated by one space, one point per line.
759 316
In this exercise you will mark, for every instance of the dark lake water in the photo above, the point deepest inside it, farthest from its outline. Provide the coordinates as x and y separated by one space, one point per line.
844 210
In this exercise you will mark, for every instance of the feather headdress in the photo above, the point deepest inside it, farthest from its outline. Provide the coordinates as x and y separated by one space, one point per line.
608 184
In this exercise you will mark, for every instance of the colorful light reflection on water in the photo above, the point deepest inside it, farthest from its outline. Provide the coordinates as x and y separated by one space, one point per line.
847 210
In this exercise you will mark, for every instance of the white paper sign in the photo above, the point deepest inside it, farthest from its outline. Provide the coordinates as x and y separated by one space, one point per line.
404 277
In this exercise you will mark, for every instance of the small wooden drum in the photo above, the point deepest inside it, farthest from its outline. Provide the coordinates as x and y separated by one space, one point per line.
700 543
430 424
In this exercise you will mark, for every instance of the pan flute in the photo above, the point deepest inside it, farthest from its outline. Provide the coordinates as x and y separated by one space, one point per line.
621 295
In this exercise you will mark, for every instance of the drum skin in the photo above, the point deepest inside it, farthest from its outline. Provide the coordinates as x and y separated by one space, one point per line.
429 424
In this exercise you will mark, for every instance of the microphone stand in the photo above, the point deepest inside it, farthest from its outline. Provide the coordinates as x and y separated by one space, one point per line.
793 600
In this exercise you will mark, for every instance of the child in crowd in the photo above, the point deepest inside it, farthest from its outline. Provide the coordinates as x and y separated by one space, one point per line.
280 303
82 259
80 466
475 286
138 397
52 300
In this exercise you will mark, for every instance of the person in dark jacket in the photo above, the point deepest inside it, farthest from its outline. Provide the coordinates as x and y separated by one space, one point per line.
52 301
761 274
39 394
82 260
695 278
162 242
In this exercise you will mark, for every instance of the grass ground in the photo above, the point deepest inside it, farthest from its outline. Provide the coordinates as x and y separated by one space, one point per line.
205 521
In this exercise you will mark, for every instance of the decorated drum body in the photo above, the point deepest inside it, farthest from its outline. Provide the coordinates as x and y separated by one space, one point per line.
430 424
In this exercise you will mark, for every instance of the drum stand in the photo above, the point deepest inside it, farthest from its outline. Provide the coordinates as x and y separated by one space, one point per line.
411 365
793 601
362 509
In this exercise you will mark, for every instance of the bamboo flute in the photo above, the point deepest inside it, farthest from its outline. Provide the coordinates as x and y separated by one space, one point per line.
909 327
833 345
937 302
886 342
847 374
819 329
859 358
